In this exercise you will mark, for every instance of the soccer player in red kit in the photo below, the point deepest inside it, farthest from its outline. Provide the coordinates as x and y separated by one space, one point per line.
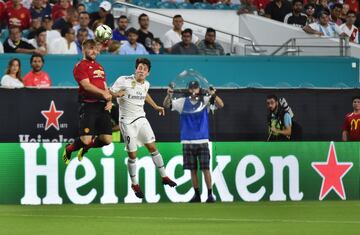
351 126
95 103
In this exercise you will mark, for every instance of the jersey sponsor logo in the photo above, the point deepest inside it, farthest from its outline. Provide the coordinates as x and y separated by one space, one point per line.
98 73
354 124
133 84
136 97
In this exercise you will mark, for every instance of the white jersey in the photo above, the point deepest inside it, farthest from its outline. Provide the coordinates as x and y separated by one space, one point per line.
131 105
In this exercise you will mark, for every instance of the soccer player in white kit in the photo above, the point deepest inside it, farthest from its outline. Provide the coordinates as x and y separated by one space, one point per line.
132 92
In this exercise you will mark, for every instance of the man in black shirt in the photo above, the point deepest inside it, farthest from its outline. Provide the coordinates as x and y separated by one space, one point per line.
296 17
103 15
145 36
71 17
277 9
14 43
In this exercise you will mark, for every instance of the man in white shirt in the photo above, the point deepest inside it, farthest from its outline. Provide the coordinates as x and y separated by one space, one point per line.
349 29
65 44
132 92
51 34
324 27
173 36
39 42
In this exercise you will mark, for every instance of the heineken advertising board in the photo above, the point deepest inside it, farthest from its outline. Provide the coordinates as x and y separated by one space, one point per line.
33 173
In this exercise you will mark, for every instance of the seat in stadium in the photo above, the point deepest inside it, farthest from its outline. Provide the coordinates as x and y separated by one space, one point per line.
92 6
184 5
222 7
235 6
166 5
203 5
4 35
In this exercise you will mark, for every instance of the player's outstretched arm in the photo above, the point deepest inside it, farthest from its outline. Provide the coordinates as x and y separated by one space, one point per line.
152 103
104 94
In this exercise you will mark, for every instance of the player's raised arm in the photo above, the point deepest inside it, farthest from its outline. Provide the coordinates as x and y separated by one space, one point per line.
152 103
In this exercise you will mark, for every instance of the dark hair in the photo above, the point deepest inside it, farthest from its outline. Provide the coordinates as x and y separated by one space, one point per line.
81 30
336 5
122 17
132 30
71 11
351 12
14 27
142 15
295 1
18 74
323 12
80 4
186 31
142 60
36 56
274 97
66 29
84 13
355 98
157 40
88 42
177 16
39 31
210 30
309 5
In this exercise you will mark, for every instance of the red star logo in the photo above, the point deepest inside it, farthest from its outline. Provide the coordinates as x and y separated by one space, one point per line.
52 116
332 173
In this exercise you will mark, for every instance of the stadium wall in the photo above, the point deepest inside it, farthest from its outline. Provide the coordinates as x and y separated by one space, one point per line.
226 71
34 174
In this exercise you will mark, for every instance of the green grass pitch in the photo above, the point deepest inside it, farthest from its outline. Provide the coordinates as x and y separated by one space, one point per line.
315 218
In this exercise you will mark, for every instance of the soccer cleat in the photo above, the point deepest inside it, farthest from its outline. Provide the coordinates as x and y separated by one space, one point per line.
195 198
66 156
210 199
167 181
137 190
81 153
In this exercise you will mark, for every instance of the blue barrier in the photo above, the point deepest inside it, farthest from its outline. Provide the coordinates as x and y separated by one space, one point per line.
225 71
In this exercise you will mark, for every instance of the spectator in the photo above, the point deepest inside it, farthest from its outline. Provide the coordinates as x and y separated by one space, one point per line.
14 43
103 15
51 34
335 14
34 25
36 77
119 34
84 20
209 46
277 9
353 5
296 17
349 29
60 8
18 15
132 47
323 27
247 7
310 13
321 5
70 18
81 8
39 42
39 9
344 12
156 47
65 44
279 120
185 47
145 36
173 36
12 78
80 37
351 126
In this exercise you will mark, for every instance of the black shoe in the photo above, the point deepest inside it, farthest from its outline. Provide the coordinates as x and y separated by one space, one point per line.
167 181
137 190
195 199
210 199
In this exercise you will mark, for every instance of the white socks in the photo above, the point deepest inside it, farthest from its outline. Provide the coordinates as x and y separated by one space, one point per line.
159 163
132 170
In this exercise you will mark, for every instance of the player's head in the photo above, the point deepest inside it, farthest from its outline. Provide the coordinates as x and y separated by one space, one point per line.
36 62
356 103
142 68
90 50
272 102
194 88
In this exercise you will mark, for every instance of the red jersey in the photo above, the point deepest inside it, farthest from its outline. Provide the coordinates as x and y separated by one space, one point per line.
40 79
95 73
19 17
352 126
353 5
2 11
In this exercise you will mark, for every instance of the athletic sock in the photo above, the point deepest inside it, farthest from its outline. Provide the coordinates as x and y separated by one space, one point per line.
132 170
197 192
159 163
78 144
209 192
95 143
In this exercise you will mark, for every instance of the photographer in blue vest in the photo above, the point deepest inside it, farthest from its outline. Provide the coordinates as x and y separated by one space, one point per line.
194 110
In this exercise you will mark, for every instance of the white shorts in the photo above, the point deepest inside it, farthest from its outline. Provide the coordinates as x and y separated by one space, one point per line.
136 134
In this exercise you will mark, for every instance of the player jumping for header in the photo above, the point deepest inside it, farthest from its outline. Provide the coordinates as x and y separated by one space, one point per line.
132 92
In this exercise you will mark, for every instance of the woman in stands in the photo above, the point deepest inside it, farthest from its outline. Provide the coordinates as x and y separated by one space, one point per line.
12 78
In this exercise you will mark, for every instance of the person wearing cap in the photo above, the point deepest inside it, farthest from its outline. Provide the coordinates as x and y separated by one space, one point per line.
194 131
103 14
38 10
51 34
132 47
